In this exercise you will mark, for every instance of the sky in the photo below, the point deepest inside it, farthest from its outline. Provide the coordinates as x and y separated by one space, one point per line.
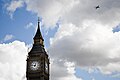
83 42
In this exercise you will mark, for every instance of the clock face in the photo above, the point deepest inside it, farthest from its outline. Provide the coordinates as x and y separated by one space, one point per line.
34 65
46 67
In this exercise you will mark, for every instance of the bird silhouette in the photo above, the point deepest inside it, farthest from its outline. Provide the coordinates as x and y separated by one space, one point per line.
97 7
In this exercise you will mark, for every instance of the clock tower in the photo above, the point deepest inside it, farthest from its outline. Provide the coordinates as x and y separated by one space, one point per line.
37 61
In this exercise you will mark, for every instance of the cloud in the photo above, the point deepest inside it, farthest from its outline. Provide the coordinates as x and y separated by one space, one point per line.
93 78
85 10
13 5
62 70
50 11
116 76
110 67
13 60
13 64
8 37
91 45
29 25
71 11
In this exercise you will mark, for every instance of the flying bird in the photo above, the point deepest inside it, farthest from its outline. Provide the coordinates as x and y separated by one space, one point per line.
97 7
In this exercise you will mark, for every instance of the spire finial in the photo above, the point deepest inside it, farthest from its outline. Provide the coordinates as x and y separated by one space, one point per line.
38 19
38 22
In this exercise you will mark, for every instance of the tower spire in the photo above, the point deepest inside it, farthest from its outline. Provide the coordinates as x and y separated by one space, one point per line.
38 39
39 22
37 67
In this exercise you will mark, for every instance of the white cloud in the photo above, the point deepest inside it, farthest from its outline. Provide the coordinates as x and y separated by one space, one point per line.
29 25
62 70
71 11
50 11
8 37
91 45
13 60
14 4
13 64
110 67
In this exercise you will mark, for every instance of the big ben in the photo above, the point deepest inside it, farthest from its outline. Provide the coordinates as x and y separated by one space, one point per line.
37 67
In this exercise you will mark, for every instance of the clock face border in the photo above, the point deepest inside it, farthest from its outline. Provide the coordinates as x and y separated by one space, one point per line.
34 65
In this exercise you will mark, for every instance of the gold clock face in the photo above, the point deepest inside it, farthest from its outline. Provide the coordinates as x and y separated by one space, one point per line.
34 65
